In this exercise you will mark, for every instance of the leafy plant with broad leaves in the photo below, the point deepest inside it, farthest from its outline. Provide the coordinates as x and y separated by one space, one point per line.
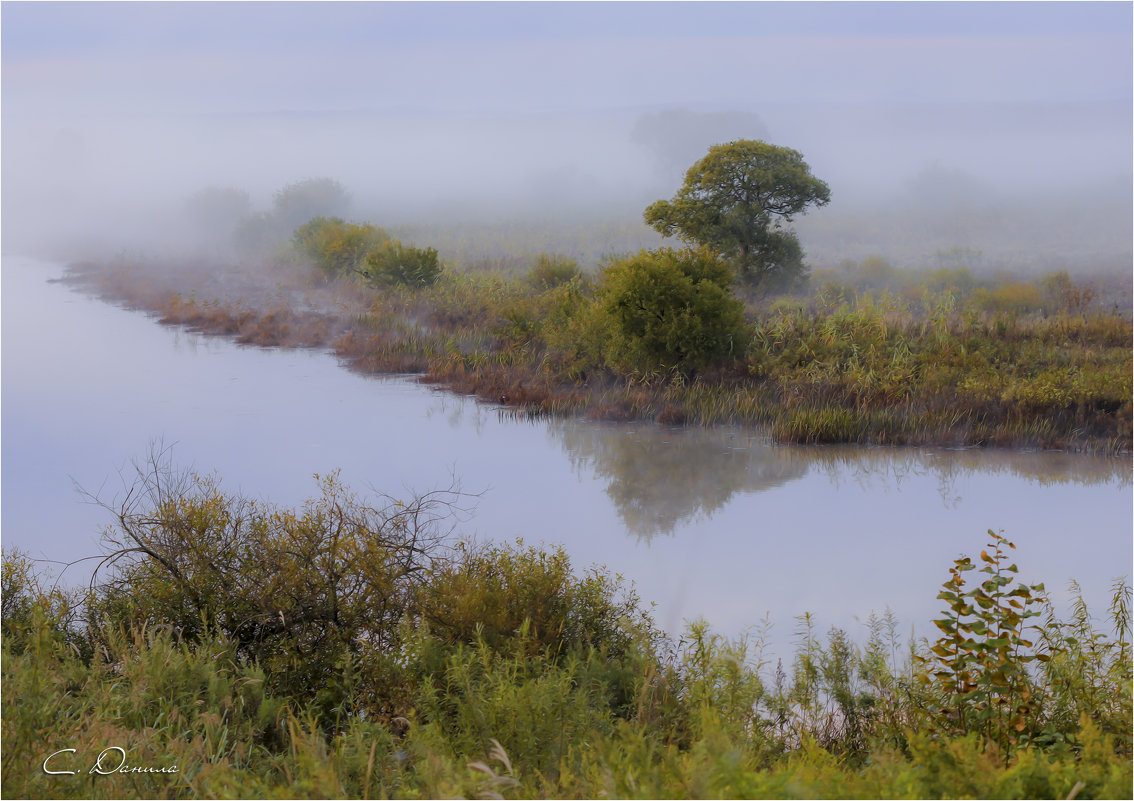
978 672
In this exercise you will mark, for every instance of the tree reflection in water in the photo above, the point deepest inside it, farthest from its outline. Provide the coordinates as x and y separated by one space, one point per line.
884 469
661 478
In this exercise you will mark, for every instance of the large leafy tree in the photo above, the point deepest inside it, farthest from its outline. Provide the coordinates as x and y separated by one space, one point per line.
737 200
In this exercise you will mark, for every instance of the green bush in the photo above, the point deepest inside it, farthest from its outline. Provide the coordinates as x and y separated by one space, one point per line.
309 593
1065 295
493 592
398 264
336 247
33 612
669 310
539 705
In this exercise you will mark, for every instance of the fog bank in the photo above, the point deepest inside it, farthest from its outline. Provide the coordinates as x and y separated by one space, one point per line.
1005 128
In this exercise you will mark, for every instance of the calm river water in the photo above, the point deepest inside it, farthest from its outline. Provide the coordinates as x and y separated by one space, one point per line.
718 523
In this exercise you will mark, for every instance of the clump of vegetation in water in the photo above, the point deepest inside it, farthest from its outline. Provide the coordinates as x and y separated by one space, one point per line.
350 648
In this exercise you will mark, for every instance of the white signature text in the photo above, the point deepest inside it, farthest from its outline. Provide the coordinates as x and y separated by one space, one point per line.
110 760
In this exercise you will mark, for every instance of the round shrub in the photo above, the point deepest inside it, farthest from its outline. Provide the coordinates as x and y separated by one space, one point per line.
665 309
398 264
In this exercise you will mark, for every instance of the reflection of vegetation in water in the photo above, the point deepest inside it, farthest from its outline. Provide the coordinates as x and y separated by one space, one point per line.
878 468
660 477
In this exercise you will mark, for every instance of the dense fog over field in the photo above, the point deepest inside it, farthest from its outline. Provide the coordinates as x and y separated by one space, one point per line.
1002 128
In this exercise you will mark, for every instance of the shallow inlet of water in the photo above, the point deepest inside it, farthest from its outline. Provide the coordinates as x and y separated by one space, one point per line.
716 523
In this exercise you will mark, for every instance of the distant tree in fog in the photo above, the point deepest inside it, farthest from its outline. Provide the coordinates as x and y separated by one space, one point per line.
736 200
947 187
256 234
299 202
293 206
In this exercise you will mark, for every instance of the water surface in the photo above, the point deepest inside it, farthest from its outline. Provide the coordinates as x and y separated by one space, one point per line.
714 523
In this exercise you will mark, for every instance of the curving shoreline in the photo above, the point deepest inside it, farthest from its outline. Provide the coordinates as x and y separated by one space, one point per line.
1059 383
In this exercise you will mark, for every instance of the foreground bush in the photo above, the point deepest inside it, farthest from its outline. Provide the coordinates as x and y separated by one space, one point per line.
387 664
305 593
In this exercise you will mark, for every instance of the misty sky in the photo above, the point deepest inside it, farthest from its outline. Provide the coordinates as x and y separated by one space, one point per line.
112 109
90 58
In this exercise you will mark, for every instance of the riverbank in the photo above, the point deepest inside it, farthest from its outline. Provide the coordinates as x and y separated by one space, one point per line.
857 366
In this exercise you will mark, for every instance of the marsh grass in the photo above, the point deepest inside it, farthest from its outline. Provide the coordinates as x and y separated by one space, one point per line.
916 366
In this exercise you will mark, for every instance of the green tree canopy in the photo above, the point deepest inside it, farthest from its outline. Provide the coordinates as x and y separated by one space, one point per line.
736 200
